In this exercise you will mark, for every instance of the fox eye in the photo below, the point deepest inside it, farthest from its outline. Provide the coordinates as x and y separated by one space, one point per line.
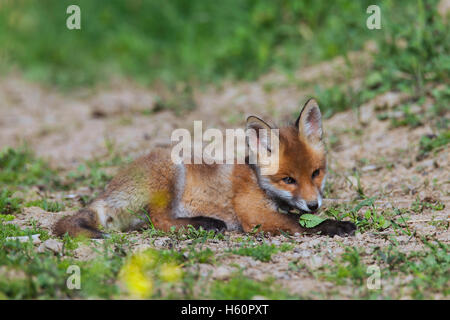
289 180
315 173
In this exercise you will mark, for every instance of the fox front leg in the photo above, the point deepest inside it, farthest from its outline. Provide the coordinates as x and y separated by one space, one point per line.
332 227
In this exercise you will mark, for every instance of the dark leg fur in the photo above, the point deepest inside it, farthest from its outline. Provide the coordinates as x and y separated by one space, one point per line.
84 222
208 224
333 227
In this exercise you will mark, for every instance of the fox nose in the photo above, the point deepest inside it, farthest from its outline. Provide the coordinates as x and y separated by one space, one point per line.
312 205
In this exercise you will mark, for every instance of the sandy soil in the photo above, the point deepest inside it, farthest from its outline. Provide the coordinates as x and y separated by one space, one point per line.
67 129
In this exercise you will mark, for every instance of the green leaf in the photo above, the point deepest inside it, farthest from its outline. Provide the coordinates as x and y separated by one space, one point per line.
310 220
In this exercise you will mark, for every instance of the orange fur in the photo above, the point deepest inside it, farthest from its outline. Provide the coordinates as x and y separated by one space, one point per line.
232 197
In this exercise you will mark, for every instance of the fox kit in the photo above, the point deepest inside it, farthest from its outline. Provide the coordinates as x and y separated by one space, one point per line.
153 189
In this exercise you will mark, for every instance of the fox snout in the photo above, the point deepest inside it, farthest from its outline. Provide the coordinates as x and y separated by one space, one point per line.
309 205
312 205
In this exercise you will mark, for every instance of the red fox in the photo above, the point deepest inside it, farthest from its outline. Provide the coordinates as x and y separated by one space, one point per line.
218 197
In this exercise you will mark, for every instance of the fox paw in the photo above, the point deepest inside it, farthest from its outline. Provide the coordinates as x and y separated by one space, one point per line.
333 227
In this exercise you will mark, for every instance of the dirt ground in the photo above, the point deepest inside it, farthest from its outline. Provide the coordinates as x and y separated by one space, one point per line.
69 128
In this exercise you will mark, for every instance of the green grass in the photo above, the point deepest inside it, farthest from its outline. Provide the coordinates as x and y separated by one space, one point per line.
44 275
91 174
52 206
189 233
26 273
418 206
20 170
262 252
429 268
368 217
348 267
182 44
426 271
177 40
408 118
8 203
11 230
424 55
242 288
19 167
200 255
413 51
431 144
338 98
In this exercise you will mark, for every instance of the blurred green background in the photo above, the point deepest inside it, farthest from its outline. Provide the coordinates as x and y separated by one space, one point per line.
198 42
204 41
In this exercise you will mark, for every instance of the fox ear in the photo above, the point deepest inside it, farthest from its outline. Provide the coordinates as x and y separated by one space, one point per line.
309 122
262 130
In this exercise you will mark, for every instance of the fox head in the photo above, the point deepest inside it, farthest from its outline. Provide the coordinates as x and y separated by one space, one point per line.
299 178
